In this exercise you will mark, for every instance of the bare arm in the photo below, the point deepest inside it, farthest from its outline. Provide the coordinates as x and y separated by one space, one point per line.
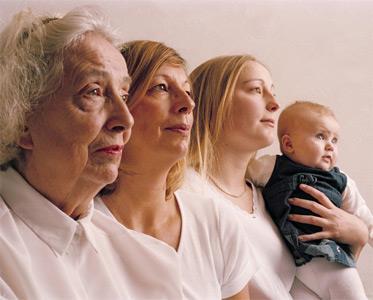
243 295
336 223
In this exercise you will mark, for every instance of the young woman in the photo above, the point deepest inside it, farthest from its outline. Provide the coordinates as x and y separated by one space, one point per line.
235 116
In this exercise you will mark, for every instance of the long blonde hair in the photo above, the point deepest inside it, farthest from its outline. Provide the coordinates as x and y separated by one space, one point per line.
213 84
144 58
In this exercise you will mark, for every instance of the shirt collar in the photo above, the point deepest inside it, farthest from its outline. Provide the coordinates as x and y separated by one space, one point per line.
48 222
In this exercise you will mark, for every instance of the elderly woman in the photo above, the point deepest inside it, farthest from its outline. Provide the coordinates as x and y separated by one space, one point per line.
235 117
210 250
64 122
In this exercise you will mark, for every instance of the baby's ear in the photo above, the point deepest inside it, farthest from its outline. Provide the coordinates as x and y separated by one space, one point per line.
287 145
25 140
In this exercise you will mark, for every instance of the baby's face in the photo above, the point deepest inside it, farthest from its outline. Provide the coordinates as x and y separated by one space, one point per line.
315 142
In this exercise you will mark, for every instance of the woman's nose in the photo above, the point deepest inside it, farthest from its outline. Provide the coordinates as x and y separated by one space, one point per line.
272 104
121 118
184 103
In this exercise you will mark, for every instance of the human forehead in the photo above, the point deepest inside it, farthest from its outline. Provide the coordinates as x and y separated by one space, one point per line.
252 71
319 122
95 56
172 73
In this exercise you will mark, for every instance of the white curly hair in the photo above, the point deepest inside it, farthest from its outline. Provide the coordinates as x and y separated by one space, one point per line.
32 52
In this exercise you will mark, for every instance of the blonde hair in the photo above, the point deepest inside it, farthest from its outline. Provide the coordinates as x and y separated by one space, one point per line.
144 58
32 51
213 84
295 113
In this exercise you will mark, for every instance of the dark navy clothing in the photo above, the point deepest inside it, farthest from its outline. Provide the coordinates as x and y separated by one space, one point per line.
282 185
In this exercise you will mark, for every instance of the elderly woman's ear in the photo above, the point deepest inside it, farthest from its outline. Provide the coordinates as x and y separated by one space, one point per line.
25 140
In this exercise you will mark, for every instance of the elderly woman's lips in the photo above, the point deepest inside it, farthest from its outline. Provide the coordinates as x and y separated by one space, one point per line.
113 149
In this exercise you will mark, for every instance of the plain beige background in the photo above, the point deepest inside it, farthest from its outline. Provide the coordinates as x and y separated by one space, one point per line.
316 50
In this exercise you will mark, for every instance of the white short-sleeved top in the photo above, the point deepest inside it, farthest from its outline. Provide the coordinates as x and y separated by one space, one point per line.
276 271
44 254
214 257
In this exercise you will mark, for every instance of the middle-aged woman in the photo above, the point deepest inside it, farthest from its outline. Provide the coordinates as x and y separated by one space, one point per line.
234 118
64 122
209 247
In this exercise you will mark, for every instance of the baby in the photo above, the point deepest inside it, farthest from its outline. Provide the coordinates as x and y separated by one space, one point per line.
308 134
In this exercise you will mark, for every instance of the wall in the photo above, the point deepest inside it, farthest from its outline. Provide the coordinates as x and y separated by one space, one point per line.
317 50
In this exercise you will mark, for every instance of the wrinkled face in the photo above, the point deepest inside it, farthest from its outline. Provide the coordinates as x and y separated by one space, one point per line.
253 108
163 118
315 143
81 131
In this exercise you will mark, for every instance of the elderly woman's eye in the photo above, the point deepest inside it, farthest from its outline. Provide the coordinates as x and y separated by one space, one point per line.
94 92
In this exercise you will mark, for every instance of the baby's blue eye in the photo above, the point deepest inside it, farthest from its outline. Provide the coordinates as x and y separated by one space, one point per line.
320 136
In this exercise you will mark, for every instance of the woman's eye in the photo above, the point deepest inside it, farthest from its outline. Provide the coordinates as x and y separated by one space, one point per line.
125 97
320 136
257 90
189 93
335 140
161 87
94 92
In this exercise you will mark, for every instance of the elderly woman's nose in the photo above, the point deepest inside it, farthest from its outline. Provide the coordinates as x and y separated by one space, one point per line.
184 103
121 118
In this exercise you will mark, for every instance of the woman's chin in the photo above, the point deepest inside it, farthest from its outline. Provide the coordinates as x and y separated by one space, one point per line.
103 174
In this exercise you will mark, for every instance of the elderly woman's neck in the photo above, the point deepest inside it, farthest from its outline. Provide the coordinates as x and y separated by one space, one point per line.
69 194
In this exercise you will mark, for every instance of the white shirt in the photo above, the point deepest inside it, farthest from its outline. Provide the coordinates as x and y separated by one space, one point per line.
214 257
261 169
44 254
276 271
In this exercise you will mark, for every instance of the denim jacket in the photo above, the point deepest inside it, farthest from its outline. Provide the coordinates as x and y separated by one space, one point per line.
283 184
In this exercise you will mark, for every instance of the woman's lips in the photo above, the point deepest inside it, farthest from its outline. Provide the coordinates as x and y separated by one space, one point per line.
112 149
182 129
268 122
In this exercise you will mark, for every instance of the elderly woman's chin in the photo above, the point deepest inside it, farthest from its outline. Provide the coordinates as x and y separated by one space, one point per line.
103 171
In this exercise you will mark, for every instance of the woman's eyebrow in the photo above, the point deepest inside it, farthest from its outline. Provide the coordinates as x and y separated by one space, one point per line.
253 79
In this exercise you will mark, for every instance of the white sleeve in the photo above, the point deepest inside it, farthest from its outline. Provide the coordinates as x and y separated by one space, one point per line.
239 262
5 291
355 204
260 169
